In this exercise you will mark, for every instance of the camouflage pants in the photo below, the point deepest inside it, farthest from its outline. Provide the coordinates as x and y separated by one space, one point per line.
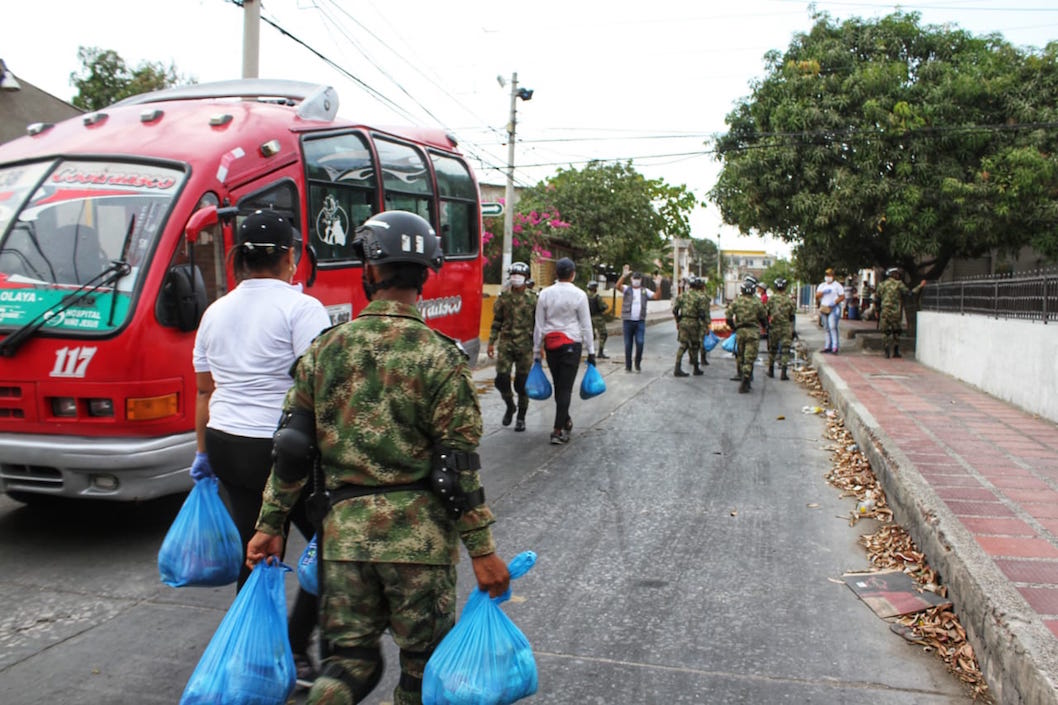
748 345
689 335
780 341
359 601
889 324
521 360
598 327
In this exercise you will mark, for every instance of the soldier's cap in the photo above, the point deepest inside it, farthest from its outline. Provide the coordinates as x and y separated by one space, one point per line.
564 267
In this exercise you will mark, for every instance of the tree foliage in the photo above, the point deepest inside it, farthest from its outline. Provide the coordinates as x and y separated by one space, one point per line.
883 142
616 215
104 78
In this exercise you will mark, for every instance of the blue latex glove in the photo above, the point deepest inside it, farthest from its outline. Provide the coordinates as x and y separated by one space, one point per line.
201 468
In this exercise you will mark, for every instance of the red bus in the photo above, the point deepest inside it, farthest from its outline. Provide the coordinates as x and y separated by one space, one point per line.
114 233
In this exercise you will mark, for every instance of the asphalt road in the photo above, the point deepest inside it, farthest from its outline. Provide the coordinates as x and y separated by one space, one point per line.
689 551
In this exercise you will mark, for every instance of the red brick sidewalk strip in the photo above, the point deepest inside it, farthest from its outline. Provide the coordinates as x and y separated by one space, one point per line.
975 483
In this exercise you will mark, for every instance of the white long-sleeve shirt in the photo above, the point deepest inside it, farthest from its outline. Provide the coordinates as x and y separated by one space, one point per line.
563 307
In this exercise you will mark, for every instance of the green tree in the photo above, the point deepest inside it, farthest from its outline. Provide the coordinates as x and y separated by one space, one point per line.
779 268
883 142
615 214
104 78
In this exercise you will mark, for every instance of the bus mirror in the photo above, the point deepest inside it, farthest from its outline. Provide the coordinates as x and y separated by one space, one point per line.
183 298
200 220
207 217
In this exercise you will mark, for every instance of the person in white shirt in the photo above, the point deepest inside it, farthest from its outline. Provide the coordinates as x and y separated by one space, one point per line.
829 296
634 315
563 327
246 344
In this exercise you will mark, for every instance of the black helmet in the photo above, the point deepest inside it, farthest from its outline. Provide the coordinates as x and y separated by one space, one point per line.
780 284
264 229
593 284
748 287
398 236
518 268
750 279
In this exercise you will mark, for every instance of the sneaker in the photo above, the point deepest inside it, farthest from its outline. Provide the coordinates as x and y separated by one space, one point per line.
556 438
569 424
637 368
305 671
563 436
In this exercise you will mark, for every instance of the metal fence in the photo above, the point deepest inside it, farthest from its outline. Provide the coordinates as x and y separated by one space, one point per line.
1029 296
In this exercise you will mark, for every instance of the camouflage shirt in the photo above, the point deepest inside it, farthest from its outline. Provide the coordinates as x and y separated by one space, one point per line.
781 311
513 319
746 311
892 293
386 390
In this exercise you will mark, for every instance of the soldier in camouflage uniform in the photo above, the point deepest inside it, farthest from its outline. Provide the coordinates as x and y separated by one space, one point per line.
687 309
513 319
597 308
745 315
891 294
782 312
379 402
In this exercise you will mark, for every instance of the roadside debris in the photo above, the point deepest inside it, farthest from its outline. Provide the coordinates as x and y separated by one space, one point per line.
936 629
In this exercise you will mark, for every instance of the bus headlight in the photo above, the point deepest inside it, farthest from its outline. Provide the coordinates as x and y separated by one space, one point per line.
100 407
64 406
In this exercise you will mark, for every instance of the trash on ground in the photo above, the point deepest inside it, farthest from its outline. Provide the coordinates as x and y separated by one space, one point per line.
891 593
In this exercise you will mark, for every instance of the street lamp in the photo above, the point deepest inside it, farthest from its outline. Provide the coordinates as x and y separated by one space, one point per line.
508 211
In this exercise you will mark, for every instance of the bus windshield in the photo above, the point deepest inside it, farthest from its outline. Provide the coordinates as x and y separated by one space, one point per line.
63 223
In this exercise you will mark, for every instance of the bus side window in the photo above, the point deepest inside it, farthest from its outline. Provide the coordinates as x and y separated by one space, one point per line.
342 192
459 206
405 177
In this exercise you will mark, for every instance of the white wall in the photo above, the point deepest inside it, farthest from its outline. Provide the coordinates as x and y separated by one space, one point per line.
1016 361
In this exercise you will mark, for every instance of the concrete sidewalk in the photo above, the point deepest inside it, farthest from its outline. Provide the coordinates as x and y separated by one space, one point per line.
975 482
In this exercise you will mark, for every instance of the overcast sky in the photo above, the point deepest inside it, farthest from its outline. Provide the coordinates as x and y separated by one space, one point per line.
650 82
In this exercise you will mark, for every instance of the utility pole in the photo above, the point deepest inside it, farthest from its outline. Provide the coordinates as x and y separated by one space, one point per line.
251 37
508 210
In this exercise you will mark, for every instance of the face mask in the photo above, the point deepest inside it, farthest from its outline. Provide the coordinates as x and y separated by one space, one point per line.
828 279
637 282
517 280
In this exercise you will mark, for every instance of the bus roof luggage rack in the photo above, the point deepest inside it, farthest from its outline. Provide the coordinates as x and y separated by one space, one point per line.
315 101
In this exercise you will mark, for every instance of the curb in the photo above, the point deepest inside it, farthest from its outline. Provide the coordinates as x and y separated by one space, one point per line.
1015 650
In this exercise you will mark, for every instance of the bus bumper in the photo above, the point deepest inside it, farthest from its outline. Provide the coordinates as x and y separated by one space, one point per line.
120 469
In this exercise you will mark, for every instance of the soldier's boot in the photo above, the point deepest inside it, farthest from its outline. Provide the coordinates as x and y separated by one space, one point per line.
896 350
783 375
744 387
771 369
602 355
887 352
677 371
508 399
697 370
705 359
523 406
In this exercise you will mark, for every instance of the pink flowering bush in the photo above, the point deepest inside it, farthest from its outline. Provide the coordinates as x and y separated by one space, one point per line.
531 234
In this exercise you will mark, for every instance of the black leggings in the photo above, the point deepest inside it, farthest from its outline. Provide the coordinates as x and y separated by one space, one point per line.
563 363
242 465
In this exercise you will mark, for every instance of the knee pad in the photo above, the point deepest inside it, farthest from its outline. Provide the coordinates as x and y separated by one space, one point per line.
519 384
503 383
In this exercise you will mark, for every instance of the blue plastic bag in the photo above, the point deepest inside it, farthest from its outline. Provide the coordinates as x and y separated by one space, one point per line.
484 659
248 661
308 575
536 384
592 384
729 343
710 341
202 546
